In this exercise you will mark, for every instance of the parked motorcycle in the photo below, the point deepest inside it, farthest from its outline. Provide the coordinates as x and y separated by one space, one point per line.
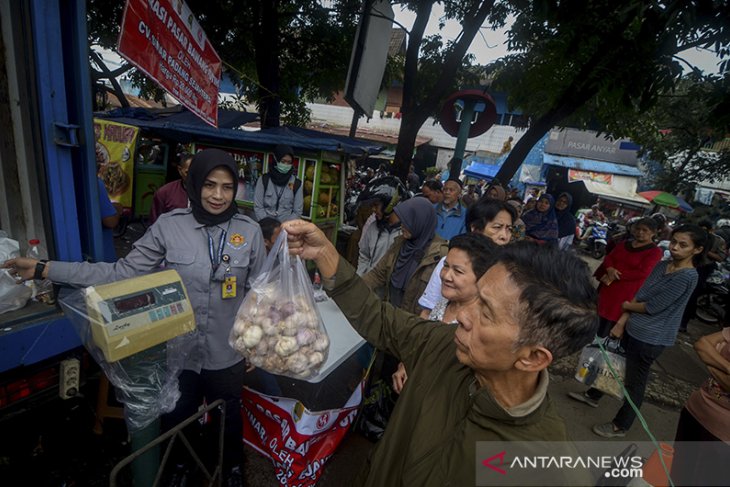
711 303
594 243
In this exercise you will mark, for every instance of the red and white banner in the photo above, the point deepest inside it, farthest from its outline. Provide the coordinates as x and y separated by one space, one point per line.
163 39
297 440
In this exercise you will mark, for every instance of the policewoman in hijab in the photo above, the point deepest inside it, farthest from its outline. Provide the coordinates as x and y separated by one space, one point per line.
217 253
405 269
278 192
541 223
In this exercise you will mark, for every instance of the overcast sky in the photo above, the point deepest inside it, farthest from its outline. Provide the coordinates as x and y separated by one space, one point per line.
490 45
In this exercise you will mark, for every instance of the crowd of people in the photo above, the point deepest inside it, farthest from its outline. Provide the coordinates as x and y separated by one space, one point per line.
473 291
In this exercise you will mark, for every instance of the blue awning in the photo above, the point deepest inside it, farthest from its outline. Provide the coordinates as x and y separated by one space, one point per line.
590 165
188 128
479 170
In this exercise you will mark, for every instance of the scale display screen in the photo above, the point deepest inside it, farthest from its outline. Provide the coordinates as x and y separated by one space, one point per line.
134 303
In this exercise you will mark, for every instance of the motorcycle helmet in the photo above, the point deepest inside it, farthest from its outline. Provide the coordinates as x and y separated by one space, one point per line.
660 219
723 222
388 190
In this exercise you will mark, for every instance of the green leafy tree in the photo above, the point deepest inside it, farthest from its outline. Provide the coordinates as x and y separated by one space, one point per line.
433 69
581 62
678 131
280 53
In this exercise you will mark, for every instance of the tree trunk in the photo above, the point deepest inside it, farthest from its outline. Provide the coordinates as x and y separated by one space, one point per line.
416 109
267 63
409 127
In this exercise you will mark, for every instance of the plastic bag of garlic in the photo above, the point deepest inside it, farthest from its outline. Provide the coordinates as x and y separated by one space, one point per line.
278 327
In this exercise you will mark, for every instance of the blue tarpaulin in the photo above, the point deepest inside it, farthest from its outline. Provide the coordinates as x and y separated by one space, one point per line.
480 170
185 128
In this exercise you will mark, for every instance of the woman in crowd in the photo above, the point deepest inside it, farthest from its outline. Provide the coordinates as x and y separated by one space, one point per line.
278 193
403 271
541 223
566 220
650 321
621 274
210 245
464 265
491 218
706 418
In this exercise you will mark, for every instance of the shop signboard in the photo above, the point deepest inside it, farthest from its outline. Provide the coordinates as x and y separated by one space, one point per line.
115 146
590 145
163 39
598 177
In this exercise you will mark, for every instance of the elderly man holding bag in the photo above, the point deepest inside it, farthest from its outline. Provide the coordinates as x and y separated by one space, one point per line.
483 378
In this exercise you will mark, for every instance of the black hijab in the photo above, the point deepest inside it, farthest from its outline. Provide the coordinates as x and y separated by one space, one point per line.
203 163
419 217
277 177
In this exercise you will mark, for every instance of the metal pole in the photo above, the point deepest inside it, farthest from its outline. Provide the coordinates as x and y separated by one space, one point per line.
353 125
144 467
467 114
466 120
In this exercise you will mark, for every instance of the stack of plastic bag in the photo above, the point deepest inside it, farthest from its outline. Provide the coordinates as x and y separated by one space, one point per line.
12 296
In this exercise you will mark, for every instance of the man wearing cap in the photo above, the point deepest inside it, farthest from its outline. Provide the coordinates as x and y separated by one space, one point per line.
450 212
278 192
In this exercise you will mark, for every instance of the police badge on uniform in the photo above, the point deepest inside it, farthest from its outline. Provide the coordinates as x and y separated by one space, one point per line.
237 241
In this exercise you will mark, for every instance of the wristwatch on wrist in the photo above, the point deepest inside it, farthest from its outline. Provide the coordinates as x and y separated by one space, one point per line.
39 268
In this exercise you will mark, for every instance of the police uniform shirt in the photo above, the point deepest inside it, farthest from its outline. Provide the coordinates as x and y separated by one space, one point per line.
179 242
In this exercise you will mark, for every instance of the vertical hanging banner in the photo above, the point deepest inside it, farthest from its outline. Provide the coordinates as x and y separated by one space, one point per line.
115 145
163 39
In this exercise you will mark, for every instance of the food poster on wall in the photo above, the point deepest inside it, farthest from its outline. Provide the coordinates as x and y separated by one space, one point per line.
249 165
115 145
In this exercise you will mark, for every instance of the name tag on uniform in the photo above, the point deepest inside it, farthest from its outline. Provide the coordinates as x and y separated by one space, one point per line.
228 289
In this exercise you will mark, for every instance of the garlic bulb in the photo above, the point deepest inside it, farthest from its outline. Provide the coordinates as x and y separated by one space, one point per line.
316 358
297 363
321 343
261 348
268 326
289 326
305 336
252 336
239 326
286 346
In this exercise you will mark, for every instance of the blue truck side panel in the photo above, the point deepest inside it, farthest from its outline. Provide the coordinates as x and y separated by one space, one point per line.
36 342
64 100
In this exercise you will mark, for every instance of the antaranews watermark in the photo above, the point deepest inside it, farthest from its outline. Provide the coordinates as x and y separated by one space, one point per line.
570 463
